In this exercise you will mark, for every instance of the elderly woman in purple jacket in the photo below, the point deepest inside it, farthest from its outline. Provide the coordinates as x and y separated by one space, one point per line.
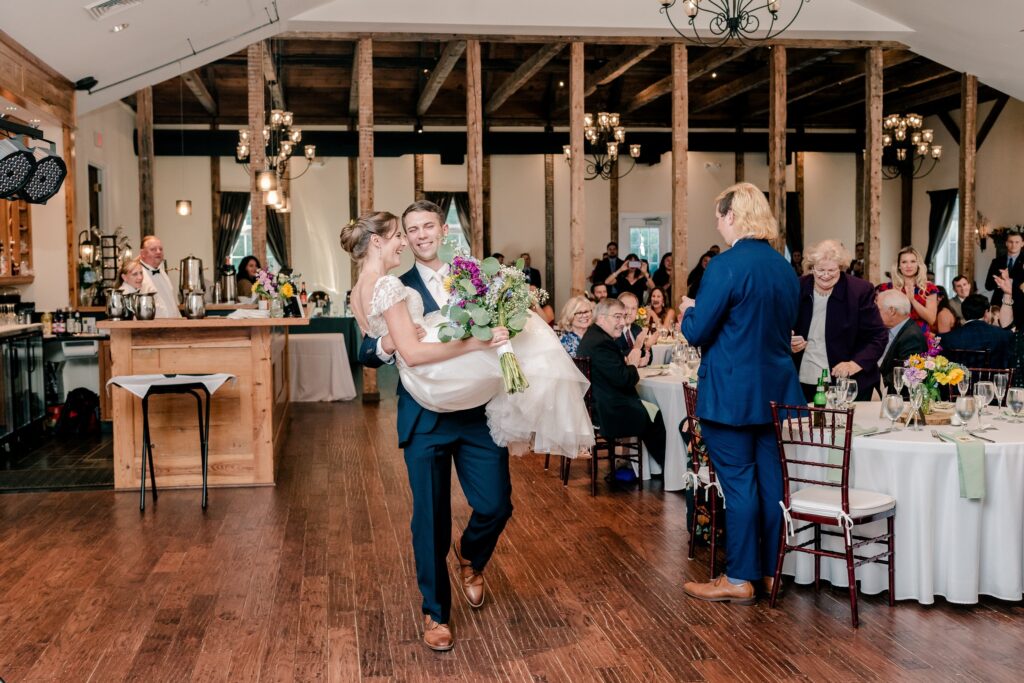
838 328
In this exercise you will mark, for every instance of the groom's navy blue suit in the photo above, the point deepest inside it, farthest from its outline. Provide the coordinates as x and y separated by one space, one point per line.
431 442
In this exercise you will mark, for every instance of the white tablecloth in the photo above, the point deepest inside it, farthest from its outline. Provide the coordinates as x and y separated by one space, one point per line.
945 545
661 354
319 368
666 391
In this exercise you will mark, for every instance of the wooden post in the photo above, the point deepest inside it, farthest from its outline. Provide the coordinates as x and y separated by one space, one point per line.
907 204
364 75
798 186
215 206
858 209
417 177
777 142
577 204
873 165
257 153
286 218
680 132
549 225
69 214
353 206
741 159
486 192
144 129
475 146
613 203
968 167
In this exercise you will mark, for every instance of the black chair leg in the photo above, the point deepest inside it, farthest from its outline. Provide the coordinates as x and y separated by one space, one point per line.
547 461
204 435
145 454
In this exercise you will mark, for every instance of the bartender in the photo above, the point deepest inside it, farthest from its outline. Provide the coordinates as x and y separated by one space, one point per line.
154 278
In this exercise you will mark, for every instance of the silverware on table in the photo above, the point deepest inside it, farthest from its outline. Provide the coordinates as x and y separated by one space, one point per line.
979 436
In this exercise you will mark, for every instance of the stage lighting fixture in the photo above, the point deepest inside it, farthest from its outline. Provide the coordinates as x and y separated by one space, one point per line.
16 166
46 179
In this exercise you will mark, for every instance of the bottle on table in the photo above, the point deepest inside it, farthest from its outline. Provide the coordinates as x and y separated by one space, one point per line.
303 296
820 398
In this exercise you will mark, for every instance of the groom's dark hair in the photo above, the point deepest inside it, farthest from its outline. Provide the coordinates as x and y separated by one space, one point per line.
424 205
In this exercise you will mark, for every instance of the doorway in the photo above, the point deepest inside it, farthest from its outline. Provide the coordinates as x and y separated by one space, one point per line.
96 198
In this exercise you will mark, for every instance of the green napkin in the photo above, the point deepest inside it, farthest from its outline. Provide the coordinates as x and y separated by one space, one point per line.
970 455
836 457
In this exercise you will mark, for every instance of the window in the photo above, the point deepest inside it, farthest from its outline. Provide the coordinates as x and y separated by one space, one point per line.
947 256
647 236
243 247
456 234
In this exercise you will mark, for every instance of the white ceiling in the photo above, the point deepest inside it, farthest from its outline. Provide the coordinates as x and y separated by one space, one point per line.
986 40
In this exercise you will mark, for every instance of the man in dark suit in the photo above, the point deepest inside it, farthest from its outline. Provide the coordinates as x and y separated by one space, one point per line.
607 266
613 379
432 441
532 274
1014 265
632 334
905 337
977 334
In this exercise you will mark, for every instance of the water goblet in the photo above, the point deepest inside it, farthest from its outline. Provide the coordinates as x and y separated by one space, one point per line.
964 385
983 391
897 380
1015 399
892 406
916 398
965 407
1000 381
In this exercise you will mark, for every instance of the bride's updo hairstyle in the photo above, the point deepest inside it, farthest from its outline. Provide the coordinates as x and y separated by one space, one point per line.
355 237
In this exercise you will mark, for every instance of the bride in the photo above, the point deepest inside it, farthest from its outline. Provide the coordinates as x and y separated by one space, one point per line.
549 417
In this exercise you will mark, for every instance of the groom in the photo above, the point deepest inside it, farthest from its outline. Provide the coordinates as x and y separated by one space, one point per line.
432 441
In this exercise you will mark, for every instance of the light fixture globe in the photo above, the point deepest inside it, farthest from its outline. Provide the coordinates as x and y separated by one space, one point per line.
183 207
266 181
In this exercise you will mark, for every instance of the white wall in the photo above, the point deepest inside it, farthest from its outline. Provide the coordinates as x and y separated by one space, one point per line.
49 242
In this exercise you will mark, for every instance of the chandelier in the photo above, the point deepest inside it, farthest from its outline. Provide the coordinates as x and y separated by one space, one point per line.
604 135
731 19
906 147
280 141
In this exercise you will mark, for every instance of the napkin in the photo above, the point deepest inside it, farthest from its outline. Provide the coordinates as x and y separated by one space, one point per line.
836 457
970 456
652 409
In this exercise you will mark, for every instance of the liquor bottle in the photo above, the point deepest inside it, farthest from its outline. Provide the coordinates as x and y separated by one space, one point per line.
303 297
3 261
78 323
11 260
820 399
58 322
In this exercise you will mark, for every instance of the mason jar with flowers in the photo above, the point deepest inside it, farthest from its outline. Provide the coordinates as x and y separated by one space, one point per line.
273 290
931 372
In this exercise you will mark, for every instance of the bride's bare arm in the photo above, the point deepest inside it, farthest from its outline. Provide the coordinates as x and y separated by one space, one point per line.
415 352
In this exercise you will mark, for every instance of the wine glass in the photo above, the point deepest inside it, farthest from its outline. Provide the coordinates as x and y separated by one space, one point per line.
851 392
897 380
892 405
965 407
964 385
840 384
983 391
916 397
1000 380
679 356
1015 399
692 359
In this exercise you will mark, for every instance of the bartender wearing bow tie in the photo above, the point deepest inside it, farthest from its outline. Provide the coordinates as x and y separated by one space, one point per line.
152 257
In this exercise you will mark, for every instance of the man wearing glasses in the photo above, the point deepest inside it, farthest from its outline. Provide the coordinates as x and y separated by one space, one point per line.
618 407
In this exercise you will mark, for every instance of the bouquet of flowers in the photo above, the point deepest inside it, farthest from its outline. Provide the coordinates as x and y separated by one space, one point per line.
931 372
641 317
485 294
272 286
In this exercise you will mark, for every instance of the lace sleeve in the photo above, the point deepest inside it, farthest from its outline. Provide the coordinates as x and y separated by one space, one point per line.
388 291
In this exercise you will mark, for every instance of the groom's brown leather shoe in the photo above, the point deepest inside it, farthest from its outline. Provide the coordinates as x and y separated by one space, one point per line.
471 580
438 637
720 590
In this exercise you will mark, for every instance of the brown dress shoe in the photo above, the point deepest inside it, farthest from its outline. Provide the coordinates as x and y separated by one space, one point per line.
767 582
720 590
438 637
471 580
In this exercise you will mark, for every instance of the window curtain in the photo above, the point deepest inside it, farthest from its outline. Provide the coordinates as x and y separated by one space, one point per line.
461 200
939 217
233 207
276 241
442 199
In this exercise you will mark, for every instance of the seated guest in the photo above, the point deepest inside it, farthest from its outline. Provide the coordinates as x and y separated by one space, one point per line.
695 276
838 328
905 337
663 277
132 279
546 313
598 292
246 277
577 315
962 288
659 310
977 334
945 319
499 257
632 334
631 276
617 407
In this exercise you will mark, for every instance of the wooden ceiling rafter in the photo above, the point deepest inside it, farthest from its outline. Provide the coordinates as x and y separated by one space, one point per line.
449 58
707 63
197 84
526 71
923 76
617 67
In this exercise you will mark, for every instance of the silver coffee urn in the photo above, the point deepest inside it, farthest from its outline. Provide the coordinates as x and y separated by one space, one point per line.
228 283
190 276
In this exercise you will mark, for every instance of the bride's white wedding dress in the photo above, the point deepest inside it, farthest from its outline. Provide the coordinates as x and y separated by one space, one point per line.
550 414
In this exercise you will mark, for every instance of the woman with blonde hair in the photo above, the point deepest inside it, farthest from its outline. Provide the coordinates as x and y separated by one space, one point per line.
577 314
910 276
838 329
132 279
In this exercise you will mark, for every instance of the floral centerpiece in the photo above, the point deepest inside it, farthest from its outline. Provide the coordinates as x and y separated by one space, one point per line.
485 294
275 288
931 372
641 317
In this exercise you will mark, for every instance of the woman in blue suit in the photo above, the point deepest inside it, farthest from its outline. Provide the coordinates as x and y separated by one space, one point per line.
743 318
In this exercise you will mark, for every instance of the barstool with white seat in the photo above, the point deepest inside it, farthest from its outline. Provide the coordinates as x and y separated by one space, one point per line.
198 385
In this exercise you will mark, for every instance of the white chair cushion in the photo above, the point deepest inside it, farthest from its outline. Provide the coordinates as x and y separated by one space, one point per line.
704 475
828 502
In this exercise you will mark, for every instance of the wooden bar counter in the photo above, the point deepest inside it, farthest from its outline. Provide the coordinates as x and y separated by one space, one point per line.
246 417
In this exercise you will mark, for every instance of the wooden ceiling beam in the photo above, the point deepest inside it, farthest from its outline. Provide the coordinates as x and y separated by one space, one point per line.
194 80
521 76
272 78
753 80
921 77
712 60
616 67
449 58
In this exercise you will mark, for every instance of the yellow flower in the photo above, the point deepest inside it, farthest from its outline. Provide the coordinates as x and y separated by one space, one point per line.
955 376
641 312
448 283
941 377
287 291
941 361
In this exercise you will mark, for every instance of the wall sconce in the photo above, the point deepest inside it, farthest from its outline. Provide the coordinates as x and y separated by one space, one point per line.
183 207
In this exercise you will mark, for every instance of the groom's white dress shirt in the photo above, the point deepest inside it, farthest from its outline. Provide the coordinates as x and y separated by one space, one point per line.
156 280
434 280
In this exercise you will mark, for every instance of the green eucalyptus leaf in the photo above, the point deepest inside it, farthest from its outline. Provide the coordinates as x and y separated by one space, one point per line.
446 252
517 322
443 335
459 315
472 306
444 310
482 333
490 266
481 316
520 263
467 286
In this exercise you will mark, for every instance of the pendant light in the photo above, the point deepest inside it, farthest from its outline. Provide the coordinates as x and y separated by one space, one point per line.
183 207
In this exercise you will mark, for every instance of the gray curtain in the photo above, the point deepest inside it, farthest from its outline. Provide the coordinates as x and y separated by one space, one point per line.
276 241
461 200
939 216
233 207
442 199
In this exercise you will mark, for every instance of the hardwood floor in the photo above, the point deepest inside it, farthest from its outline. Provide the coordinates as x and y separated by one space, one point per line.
314 580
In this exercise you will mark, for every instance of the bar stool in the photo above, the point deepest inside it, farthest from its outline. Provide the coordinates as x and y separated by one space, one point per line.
199 386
